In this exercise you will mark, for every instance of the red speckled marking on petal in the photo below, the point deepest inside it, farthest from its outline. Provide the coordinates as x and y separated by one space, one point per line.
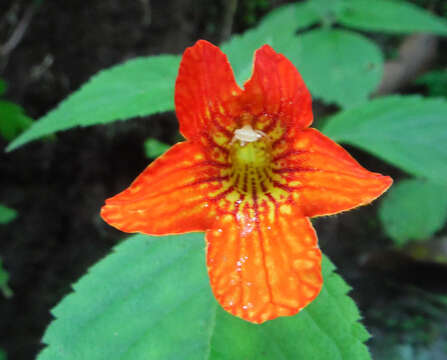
171 196
324 178
276 95
262 268
206 94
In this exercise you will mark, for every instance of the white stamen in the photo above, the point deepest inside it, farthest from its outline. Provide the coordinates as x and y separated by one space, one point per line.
247 134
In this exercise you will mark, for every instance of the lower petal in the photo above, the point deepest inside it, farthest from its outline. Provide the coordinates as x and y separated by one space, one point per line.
259 271
170 196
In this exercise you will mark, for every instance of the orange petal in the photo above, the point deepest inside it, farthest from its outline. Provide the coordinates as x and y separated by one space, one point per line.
276 93
261 270
170 196
206 93
324 178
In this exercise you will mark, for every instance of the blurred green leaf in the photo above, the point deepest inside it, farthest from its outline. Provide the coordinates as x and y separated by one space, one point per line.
436 81
151 300
12 120
276 29
338 66
2 355
3 88
4 288
346 77
327 10
414 210
390 16
154 148
138 87
7 214
407 131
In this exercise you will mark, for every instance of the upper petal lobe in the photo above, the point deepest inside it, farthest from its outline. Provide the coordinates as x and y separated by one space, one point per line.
276 94
171 196
206 93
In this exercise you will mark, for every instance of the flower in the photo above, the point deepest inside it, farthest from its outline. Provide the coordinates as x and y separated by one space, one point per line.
250 174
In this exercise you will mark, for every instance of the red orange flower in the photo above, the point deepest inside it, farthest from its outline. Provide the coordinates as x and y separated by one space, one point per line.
250 174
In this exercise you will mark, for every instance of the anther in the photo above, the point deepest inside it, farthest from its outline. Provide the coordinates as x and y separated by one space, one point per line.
246 135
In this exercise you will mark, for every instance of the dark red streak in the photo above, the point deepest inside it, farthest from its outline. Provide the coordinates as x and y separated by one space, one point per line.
207 180
221 128
222 194
270 126
289 153
293 170
213 143
261 243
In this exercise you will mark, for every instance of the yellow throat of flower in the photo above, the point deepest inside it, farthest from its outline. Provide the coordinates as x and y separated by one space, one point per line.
251 158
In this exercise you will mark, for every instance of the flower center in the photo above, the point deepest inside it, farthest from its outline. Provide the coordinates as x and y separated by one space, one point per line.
250 157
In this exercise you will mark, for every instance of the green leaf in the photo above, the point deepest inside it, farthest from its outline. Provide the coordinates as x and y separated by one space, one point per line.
3 355
346 77
3 88
12 120
338 66
390 16
436 81
7 214
327 10
414 210
4 288
138 87
151 300
277 29
154 148
407 131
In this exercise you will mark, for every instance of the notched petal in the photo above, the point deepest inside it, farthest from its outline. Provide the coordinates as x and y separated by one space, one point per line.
276 94
206 94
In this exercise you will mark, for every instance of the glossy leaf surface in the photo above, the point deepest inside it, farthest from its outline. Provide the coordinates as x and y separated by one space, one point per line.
409 132
277 29
338 66
151 300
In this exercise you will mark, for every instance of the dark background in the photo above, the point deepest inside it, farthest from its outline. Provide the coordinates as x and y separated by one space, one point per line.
58 185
